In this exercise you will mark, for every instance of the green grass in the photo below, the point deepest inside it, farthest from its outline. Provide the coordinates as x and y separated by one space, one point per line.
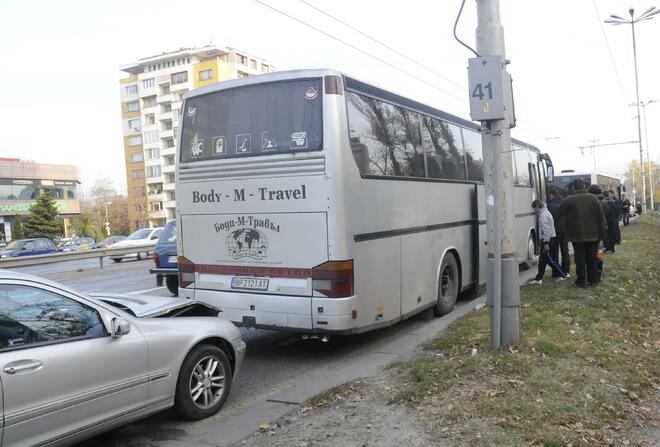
586 361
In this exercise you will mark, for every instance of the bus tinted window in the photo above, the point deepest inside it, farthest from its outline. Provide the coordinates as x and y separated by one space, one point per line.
474 158
258 119
521 160
384 138
443 148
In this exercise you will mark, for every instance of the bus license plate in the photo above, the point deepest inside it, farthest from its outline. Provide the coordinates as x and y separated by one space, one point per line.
249 283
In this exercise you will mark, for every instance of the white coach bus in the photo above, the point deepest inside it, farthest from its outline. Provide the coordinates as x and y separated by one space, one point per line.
312 202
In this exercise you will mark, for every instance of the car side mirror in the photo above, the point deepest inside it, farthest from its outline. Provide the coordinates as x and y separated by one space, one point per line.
120 327
154 237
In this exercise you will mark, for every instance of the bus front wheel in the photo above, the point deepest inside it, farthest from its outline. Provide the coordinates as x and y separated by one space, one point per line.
448 285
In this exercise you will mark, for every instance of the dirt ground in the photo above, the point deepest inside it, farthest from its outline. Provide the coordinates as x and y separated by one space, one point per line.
354 415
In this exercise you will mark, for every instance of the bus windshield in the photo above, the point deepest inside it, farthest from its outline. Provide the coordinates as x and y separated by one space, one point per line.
253 120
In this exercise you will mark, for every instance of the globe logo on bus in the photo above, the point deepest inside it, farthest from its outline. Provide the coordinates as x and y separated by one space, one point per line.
247 243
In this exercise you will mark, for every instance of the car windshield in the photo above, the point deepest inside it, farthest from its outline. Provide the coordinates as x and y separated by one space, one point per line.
140 234
13 245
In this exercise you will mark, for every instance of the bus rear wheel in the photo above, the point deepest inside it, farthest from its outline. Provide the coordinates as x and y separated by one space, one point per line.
448 285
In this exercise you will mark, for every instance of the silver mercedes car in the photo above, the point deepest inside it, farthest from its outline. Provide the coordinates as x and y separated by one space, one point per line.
75 365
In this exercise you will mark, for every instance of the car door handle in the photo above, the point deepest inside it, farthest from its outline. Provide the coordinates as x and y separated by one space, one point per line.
22 366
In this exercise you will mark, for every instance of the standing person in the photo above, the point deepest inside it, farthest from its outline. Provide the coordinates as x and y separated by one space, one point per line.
547 236
638 208
560 243
626 210
604 206
615 215
585 226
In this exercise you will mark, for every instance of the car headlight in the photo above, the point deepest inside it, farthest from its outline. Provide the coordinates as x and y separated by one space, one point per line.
4 256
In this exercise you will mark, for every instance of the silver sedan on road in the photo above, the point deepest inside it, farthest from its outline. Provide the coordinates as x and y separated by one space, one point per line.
73 366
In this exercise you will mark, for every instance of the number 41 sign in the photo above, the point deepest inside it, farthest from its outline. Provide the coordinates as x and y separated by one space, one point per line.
489 86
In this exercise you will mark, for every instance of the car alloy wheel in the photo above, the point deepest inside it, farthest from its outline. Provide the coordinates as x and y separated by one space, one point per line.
207 382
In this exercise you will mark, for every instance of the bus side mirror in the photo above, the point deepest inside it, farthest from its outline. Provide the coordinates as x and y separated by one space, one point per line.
551 174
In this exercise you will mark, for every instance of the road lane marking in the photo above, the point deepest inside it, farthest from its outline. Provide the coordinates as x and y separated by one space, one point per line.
137 292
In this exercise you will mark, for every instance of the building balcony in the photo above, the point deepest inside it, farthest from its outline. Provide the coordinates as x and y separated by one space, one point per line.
168 186
168 169
183 86
162 214
165 116
164 98
159 197
163 79
170 204
157 179
167 133
168 151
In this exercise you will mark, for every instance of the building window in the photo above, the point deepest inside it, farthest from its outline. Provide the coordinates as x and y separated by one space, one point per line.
134 124
135 140
137 173
150 119
133 106
156 206
241 59
205 75
153 171
165 90
253 64
131 89
148 83
138 192
151 136
153 153
264 68
136 158
180 77
149 101
242 74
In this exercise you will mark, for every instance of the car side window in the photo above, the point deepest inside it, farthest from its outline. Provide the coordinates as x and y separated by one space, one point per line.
29 315
41 245
156 234
29 246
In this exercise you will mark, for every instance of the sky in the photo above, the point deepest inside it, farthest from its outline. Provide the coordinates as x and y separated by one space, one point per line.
573 75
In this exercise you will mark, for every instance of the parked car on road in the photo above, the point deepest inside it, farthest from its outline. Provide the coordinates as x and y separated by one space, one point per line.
78 244
143 236
74 365
108 241
28 247
165 259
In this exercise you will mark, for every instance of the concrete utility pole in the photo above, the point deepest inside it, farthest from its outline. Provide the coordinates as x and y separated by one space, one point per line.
491 102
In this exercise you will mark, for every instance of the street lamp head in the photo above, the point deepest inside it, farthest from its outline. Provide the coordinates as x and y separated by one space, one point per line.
631 11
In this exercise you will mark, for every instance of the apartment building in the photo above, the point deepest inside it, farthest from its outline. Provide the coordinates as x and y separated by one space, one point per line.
151 102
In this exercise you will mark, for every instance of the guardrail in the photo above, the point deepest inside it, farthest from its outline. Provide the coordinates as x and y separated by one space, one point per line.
22 261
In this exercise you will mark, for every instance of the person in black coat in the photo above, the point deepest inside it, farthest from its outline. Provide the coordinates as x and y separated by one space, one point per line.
559 244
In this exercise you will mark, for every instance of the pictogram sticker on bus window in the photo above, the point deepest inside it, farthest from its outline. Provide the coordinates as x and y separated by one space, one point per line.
219 145
196 147
243 143
298 140
267 142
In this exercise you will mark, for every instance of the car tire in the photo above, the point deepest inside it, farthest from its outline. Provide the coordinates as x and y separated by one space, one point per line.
172 283
204 383
448 285
141 256
117 259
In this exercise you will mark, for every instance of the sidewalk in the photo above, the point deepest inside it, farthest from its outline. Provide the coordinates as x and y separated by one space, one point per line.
586 373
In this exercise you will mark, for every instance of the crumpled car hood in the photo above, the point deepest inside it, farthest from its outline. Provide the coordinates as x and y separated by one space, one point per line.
157 306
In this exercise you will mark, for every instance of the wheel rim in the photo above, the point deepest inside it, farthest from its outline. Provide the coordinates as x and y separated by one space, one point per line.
207 382
447 283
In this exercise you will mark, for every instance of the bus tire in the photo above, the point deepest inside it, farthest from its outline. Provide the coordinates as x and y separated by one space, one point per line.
448 286
117 259
531 249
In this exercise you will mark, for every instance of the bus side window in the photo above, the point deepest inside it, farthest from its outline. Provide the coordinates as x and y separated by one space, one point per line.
521 159
443 149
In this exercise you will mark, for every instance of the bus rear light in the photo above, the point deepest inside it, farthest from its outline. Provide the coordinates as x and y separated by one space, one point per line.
334 85
334 279
186 271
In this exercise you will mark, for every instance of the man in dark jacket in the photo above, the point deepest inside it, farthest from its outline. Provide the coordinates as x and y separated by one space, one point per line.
602 199
626 211
559 244
585 226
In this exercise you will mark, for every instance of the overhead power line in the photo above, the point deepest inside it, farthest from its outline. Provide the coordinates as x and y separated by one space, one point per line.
361 51
373 39
609 50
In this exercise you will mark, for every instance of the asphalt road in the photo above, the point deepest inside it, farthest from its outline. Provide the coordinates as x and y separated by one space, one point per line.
280 370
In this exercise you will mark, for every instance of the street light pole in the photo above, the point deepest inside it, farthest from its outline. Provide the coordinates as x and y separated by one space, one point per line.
616 20
648 155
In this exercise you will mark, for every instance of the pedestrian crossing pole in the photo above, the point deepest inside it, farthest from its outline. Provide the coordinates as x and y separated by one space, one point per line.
491 103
